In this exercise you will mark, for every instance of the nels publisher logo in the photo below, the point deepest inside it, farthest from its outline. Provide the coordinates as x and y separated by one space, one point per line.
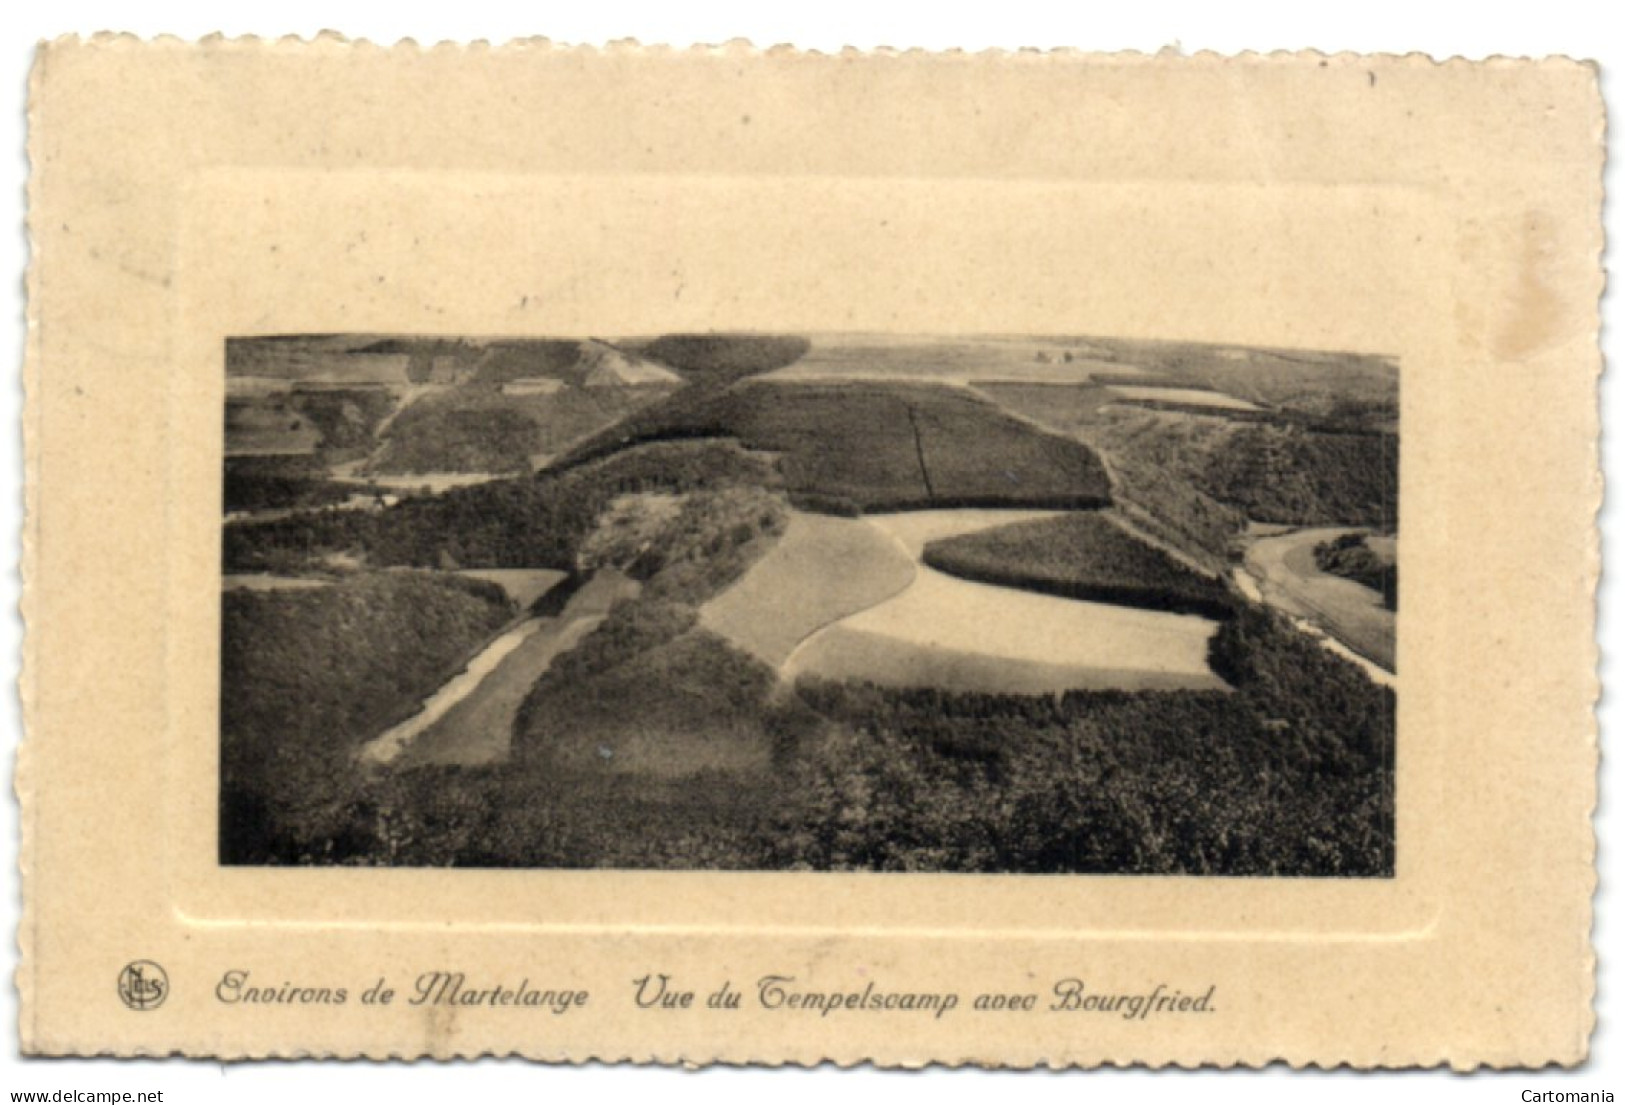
143 985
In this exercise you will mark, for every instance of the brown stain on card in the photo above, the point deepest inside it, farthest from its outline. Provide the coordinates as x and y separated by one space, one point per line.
1533 319
440 1030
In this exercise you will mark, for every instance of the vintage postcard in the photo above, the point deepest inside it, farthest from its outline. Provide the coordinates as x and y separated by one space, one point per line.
758 557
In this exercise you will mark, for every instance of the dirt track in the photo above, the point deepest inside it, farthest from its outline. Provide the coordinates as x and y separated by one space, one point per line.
476 725
1284 567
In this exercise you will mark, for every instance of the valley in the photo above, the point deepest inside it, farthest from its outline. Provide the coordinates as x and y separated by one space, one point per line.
847 601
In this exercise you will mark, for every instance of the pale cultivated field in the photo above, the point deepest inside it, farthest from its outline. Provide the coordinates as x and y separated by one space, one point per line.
953 361
915 529
436 482
961 635
1196 397
821 570
264 581
524 585
888 619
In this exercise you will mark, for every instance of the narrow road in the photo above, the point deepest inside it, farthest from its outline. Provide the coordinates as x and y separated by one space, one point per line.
1284 569
469 720
479 727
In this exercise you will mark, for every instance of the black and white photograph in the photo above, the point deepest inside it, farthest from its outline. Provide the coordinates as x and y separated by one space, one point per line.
737 600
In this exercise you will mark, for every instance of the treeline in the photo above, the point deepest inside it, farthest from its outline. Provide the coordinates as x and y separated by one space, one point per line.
1080 556
1320 709
723 358
305 676
1201 480
282 483
528 522
1297 477
1289 774
1292 774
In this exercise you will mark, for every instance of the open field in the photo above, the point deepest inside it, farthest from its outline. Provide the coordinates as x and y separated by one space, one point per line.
948 632
523 585
1194 397
1356 390
890 659
409 404
1285 569
265 581
336 358
885 358
475 676
840 599
478 727
821 570
965 636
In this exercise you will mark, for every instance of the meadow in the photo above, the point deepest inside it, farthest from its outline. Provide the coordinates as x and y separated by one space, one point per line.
823 569
1004 636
